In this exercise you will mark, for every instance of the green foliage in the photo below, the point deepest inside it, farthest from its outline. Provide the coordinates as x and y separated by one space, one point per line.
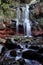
1 12
9 13
6 10
41 21
5 6
0 1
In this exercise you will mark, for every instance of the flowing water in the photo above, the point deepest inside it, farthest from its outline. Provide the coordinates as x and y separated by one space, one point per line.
17 20
27 21
25 18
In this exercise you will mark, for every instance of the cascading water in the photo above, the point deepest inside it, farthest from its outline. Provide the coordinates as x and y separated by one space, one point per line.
17 19
27 22
24 17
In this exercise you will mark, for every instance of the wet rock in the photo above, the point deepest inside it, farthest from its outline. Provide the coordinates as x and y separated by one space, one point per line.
32 55
26 42
34 47
21 61
18 46
13 53
2 49
26 46
21 29
13 25
9 45
40 50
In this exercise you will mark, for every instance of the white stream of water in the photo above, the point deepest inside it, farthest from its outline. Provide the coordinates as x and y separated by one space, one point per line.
27 21
24 17
17 19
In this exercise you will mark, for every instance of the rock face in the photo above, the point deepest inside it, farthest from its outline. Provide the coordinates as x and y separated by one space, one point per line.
38 9
37 31
21 29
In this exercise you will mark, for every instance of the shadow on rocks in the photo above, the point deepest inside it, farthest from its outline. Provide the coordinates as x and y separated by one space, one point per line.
32 55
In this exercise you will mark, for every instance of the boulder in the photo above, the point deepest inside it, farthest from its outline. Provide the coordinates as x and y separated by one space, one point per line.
34 47
9 45
32 55
21 61
40 51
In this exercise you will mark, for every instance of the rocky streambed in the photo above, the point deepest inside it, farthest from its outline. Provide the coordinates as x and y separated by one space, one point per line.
13 53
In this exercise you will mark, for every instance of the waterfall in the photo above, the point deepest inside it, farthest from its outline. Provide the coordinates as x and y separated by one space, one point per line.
27 22
24 16
17 19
